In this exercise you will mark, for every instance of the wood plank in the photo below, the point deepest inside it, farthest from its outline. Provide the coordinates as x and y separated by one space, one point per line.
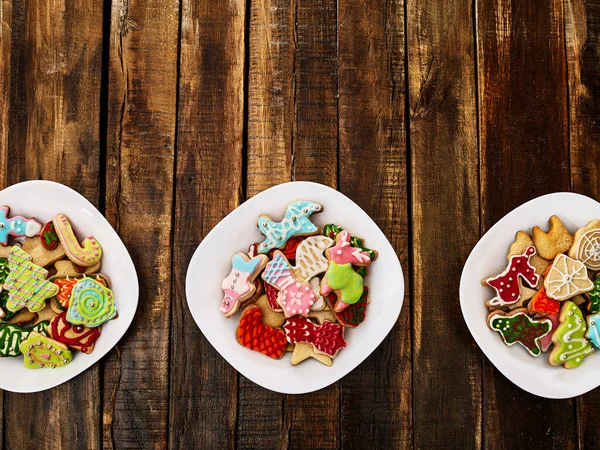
582 30
270 104
142 94
444 159
376 398
523 118
54 134
203 386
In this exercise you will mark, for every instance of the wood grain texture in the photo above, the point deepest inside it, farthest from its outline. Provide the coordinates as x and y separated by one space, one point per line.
523 117
5 80
582 31
140 168
376 398
270 122
54 134
203 385
445 214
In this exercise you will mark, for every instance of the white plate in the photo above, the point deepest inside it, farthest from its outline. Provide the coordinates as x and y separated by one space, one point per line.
488 258
43 200
212 262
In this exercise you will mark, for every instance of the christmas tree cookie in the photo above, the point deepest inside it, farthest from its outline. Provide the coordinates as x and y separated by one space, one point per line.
517 326
570 344
593 297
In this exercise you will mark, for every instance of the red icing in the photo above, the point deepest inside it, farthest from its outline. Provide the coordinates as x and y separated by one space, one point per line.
541 303
355 314
49 239
506 284
84 340
289 251
546 341
65 287
272 294
79 269
252 333
327 338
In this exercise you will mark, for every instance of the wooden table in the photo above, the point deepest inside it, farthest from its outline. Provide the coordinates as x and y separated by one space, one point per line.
436 116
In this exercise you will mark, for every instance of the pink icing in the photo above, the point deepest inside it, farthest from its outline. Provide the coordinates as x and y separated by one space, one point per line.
241 286
546 340
343 253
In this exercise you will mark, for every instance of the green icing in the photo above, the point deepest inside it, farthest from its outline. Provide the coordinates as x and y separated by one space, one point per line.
594 297
522 329
331 230
361 270
571 345
355 314
41 351
3 299
4 270
343 278
11 337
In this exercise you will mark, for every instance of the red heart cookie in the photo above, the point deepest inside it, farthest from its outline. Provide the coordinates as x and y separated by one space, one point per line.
252 333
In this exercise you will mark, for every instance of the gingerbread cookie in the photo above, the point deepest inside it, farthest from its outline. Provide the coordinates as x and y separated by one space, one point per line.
566 279
586 245
554 242
570 344
239 284
295 223
517 327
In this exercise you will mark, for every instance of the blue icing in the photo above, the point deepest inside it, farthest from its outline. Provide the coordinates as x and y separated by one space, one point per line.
296 222
593 332
238 263
15 226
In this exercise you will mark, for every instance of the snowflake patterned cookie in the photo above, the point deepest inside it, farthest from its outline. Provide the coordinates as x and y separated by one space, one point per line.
586 247
566 279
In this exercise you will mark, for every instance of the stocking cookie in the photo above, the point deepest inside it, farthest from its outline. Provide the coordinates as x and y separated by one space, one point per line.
518 327
570 344
295 297
295 223
26 284
566 278
252 333
77 337
586 245
327 338
556 241
91 304
86 254
310 261
18 226
41 351
239 284
506 283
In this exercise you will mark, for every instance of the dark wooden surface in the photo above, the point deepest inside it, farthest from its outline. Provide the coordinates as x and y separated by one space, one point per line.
436 116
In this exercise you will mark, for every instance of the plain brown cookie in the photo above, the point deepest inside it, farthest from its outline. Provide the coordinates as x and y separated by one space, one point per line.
554 242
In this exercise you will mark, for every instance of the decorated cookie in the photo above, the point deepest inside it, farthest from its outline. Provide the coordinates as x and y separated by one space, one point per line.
570 345
18 226
518 247
252 333
310 261
41 351
542 305
65 287
506 283
593 332
586 245
66 268
272 295
593 297
546 341
556 241
302 351
344 253
239 284
353 315
517 327
345 282
12 335
77 337
40 255
26 284
21 317
331 230
289 249
91 304
295 223
566 278
48 236
296 297
327 338
87 254
323 315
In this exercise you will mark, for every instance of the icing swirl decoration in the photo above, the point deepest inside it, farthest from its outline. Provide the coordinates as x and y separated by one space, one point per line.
26 284
16 226
66 285
518 327
91 304
87 254
296 222
42 352
75 336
